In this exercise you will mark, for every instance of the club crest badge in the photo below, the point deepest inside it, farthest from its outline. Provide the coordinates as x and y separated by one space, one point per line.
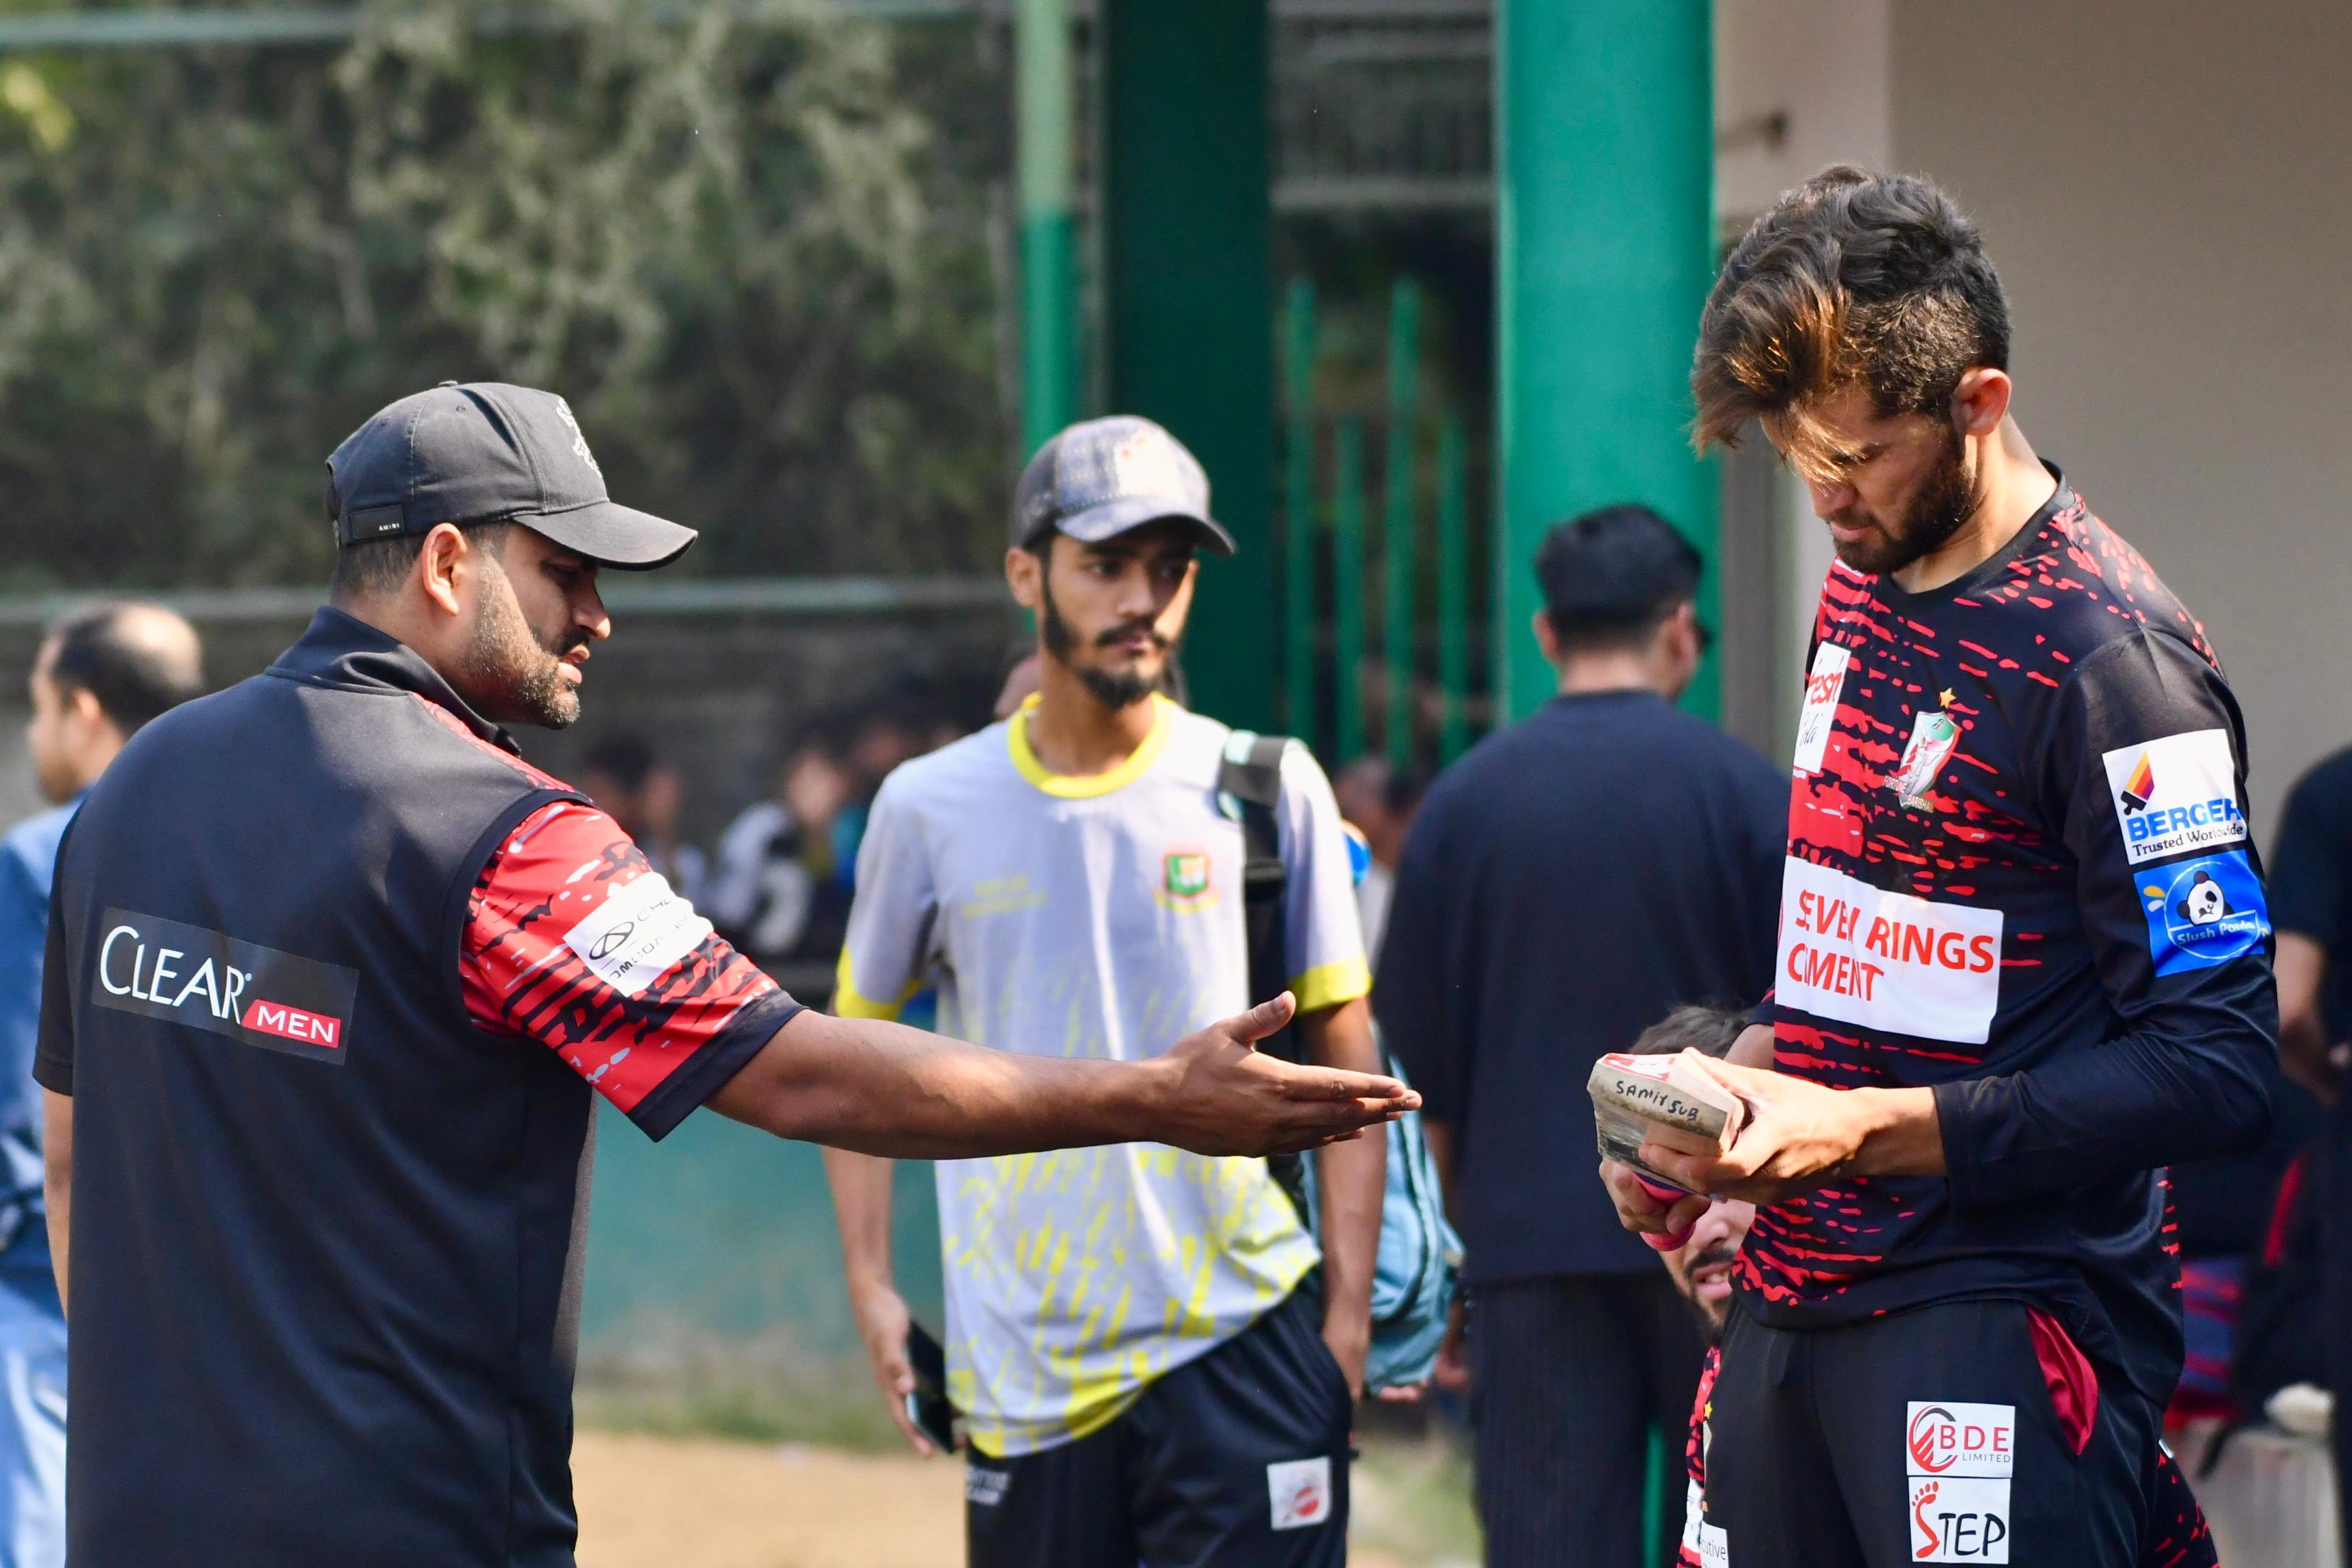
1935 736
1184 880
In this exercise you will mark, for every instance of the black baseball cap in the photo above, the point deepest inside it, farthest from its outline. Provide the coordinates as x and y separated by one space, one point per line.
486 452
1102 477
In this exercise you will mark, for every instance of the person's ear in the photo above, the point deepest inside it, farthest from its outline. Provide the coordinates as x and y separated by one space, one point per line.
1024 574
443 566
1980 401
78 706
1546 638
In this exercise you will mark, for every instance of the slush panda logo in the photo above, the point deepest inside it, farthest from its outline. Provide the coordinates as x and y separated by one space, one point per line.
2203 912
2206 902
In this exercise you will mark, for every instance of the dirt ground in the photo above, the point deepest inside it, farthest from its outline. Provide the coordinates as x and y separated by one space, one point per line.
667 1503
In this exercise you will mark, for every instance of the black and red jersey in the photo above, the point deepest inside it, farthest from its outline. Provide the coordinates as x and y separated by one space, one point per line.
2019 872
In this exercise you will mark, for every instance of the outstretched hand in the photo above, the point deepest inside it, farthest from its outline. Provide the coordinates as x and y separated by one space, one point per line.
1224 1098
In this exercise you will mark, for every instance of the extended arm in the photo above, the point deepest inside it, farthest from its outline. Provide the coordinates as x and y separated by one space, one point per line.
56 1159
861 1206
1351 1182
881 1088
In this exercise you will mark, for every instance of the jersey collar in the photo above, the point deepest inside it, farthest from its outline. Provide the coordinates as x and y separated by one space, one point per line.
342 650
1066 787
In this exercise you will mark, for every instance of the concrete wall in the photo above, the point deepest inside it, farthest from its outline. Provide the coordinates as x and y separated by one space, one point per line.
2163 186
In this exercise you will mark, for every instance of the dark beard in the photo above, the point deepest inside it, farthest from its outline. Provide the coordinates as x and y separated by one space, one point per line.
1114 689
1712 1321
1947 501
509 677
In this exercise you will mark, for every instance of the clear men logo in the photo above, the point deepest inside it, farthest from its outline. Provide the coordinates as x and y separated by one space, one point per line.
2174 794
1959 1458
205 979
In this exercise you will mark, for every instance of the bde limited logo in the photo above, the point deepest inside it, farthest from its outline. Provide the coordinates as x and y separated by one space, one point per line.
1959 1459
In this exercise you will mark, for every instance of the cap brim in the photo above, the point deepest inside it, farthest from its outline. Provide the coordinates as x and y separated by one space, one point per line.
614 536
1113 518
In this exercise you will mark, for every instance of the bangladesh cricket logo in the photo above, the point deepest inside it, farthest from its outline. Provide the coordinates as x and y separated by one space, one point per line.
1184 880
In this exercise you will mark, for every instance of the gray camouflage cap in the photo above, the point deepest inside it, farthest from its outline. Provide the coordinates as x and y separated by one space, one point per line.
1098 479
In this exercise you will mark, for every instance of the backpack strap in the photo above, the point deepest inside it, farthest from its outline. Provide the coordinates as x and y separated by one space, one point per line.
1249 789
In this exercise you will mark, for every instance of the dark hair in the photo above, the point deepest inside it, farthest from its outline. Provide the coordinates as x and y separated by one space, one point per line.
1610 577
136 661
1852 277
373 567
1710 1031
627 760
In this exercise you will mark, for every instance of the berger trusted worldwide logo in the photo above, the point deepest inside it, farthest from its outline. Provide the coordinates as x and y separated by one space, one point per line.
206 979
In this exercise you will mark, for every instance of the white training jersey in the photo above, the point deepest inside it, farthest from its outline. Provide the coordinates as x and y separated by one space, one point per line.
1093 917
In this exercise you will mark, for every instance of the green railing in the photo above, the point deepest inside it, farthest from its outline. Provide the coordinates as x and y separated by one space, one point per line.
1420 669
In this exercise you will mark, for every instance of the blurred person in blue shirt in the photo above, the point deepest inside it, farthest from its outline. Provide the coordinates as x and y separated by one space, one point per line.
99 674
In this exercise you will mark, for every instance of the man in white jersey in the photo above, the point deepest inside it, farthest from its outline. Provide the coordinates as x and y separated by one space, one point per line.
1154 1359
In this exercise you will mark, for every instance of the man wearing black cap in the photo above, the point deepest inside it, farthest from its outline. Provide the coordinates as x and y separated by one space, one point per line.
332 973
1150 1363
1569 882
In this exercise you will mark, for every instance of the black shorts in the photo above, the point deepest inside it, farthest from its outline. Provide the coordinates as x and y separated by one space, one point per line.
1238 1460
1953 1433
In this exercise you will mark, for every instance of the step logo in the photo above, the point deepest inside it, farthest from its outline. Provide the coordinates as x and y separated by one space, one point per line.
207 979
1960 1458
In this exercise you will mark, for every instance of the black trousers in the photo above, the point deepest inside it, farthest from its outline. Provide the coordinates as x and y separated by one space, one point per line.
1926 1436
1238 1460
1569 1375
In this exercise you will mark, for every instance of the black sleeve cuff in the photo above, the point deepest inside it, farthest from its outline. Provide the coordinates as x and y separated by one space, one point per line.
54 1072
712 1066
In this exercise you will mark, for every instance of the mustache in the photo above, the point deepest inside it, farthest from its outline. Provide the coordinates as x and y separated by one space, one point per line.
1118 634
1721 1251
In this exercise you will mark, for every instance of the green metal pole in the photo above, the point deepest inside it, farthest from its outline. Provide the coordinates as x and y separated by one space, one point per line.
1396 525
1604 252
1188 294
1049 289
1452 588
1299 510
1347 588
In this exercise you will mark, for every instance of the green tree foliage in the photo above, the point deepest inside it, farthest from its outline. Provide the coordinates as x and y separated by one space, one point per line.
752 252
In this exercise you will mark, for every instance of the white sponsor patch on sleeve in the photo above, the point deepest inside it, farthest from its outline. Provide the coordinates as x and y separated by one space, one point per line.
631 940
1885 960
1822 687
1300 1492
1959 1459
2176 794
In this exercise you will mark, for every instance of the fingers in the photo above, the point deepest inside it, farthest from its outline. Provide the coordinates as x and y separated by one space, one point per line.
897 1380
1338 1084
1267 1018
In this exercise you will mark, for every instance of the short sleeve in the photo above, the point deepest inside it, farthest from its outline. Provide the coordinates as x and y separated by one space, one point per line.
1321 925
2310 869
572 940
894 915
